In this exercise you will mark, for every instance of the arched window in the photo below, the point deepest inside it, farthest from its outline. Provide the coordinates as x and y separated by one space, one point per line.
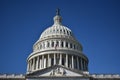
61 43
53 30
63 61
67 33
60 30
64 31
74 46
70 45
48 44
57 44
52 44
70 33
57 30
77 47
67 44
52 61
40 46
43 45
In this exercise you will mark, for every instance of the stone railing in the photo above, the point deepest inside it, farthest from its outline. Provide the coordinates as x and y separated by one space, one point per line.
20 76
105 75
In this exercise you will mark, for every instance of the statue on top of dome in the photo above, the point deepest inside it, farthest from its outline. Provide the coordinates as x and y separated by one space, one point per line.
58 11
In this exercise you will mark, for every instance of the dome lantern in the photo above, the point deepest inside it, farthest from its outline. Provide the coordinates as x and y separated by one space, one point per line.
57 18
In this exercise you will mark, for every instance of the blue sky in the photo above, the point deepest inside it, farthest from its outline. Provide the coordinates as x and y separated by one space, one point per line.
95 23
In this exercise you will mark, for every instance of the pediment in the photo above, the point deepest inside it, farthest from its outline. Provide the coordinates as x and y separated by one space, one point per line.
56 70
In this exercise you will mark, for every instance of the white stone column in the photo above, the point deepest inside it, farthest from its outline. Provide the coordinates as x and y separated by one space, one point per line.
64 44
48 60
78 67
59 44
36 66
68 45
60 62
66 60
54 59
55 43
37 62
33 63
45 63
72 62
42 61
45 44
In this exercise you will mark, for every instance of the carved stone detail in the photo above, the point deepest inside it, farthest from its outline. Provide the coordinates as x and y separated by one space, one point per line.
58 72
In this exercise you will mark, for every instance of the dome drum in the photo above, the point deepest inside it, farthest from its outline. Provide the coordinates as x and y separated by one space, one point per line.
57 43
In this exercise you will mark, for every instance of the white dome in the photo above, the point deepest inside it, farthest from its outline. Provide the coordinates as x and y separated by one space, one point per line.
56 29
57 46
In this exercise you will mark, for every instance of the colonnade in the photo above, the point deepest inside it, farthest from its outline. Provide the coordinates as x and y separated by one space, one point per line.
47 60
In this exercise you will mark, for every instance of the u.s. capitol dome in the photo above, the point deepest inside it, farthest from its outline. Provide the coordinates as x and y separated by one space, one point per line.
57 46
